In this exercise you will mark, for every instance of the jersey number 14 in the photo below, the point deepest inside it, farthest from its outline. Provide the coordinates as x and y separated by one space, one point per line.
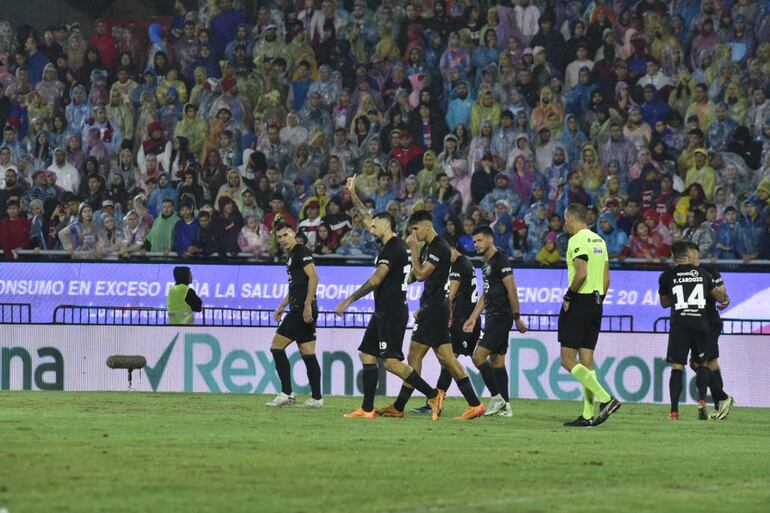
697 299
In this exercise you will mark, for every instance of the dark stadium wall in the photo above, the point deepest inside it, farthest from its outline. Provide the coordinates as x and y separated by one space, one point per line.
43 13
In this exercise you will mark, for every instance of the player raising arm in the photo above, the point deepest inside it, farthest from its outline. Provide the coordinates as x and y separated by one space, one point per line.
384 336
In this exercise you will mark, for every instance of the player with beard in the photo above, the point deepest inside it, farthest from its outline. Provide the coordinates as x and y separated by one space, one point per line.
722 401
501 302
300 323
431 331
384 336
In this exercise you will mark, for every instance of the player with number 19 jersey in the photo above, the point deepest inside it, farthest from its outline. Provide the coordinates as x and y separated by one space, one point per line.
688 287
384 337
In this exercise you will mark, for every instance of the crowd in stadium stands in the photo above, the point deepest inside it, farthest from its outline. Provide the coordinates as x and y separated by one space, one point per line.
195 136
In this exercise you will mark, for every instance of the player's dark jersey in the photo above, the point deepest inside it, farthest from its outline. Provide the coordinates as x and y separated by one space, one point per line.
467 294
439 255
297 259
495 295
390 296
711 303
687 287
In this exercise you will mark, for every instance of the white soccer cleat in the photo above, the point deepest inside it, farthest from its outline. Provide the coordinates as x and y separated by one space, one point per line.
494 406
281 400
312 403
505 411
725 407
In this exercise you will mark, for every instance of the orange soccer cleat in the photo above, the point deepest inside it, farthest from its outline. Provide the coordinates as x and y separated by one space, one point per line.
435 406
441 396
361 414
472 412
389 411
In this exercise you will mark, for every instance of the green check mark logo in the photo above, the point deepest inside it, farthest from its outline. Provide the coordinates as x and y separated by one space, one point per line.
155 373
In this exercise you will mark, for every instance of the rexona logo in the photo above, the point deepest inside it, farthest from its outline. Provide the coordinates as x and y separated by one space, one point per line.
629 378
208 366
45 366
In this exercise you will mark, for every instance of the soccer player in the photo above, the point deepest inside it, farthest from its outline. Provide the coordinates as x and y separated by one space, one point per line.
501 302
580 317
684 289
384 336
431 330
300 323
722 401
463 296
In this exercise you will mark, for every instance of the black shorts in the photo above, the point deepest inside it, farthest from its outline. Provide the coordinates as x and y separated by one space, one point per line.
683 340
384 336
580 325
712 344
464 343
496 332
431 327
294 328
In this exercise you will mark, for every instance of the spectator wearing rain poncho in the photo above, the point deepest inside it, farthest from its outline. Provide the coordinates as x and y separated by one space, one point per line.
67 176
192 127
615 238
79 110
164 191
572 138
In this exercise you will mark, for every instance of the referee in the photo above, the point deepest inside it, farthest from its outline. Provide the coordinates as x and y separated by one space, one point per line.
580 317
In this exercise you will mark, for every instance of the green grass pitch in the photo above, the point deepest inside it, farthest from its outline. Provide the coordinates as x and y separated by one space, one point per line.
141 452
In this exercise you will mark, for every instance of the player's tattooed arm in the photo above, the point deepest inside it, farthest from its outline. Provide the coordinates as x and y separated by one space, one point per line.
369 285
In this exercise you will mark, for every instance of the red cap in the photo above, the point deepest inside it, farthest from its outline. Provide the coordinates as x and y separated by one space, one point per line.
227 84
153 127
519 224
613 202
406 133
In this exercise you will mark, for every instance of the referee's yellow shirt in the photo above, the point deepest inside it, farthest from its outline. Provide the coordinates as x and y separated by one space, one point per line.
587 244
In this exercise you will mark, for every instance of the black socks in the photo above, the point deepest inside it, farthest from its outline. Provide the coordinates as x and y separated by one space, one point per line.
403 397
417 382
369 377
488 373
702 382
501 376
283 369
675 388
466 387
444 380
313 374
717 386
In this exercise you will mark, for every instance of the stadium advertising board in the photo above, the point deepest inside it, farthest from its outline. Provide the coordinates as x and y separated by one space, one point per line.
198 359
47 285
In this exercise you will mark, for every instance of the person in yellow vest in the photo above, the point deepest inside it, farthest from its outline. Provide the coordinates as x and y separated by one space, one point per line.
580 317
182 300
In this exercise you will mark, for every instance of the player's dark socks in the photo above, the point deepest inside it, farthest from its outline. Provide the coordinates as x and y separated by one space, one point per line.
501 377
417 382
675 388
702 382
717 386
313 374
403 397
488 374
444 380
283 368
369 377
466 387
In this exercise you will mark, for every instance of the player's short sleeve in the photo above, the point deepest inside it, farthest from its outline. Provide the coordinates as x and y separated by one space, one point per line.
386 257
432 256
306 257
708 282
503 266
663 283
716 276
